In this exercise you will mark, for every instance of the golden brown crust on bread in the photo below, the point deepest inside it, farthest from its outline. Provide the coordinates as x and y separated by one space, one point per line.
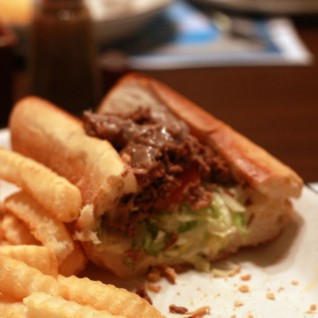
57 139
270 183
249 162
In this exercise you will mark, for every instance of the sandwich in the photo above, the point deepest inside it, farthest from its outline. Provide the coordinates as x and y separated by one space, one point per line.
163 182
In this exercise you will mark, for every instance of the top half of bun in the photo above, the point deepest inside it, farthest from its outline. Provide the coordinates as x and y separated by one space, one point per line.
249 162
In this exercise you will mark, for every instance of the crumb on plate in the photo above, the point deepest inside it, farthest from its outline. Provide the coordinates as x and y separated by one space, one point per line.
246 277
244 289
270 296
174 309
238 303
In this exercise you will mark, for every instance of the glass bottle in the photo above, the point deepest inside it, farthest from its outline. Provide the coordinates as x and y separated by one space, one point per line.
63 59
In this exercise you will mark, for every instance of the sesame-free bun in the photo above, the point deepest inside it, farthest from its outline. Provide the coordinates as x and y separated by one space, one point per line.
49 135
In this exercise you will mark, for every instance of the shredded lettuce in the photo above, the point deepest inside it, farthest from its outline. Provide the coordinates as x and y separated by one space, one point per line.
185 235
191 236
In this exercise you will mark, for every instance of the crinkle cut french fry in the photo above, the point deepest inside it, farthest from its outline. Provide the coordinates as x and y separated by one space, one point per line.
19 280
44 227
44 305
74 263
11 308
55 193
16 232
117 301
39 257
14 311
6 300
1 230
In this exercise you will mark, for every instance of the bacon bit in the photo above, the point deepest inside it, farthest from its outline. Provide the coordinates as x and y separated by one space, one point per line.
238 303
270 296
154 288
170 274
244 289
199 313
141 291
246 277
177 309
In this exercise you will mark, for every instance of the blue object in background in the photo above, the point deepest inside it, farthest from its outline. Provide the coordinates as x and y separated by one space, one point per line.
182 36
191 25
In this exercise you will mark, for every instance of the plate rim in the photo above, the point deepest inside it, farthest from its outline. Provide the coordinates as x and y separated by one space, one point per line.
268 6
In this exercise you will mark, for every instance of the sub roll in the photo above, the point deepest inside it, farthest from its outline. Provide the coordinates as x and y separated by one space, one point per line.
163 182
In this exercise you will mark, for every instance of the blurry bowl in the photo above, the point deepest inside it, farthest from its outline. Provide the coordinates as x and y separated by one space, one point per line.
119 24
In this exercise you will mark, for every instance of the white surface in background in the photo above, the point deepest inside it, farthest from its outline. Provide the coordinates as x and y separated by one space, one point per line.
116 9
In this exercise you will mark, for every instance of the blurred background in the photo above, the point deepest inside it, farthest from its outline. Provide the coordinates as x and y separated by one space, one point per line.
252 63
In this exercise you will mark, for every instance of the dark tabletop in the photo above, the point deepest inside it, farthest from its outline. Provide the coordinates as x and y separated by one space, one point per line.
277 107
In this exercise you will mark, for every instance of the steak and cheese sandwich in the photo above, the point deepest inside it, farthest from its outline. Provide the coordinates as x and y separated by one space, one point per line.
163 182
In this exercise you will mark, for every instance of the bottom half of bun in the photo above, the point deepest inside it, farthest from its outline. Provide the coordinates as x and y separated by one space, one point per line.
266 219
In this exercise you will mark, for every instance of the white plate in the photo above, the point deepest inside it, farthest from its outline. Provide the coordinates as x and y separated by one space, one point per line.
286 269
267 6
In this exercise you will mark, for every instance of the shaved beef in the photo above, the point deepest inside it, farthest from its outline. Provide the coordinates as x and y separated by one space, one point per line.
169 163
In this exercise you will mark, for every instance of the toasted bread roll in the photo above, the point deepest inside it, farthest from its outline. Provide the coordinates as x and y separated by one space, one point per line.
249 162
251 207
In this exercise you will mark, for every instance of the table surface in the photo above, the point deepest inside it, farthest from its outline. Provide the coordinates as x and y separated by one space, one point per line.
276 107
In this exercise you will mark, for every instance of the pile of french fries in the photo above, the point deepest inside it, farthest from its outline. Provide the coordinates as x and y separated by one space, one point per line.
39 259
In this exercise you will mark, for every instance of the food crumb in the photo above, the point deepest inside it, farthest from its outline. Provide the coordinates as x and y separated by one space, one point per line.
200 312
235 271
295 282
270 296
174 309
154 287
312 309
246 277
238 303
280 289
225 273
244 289
233 316
170 274
154 275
